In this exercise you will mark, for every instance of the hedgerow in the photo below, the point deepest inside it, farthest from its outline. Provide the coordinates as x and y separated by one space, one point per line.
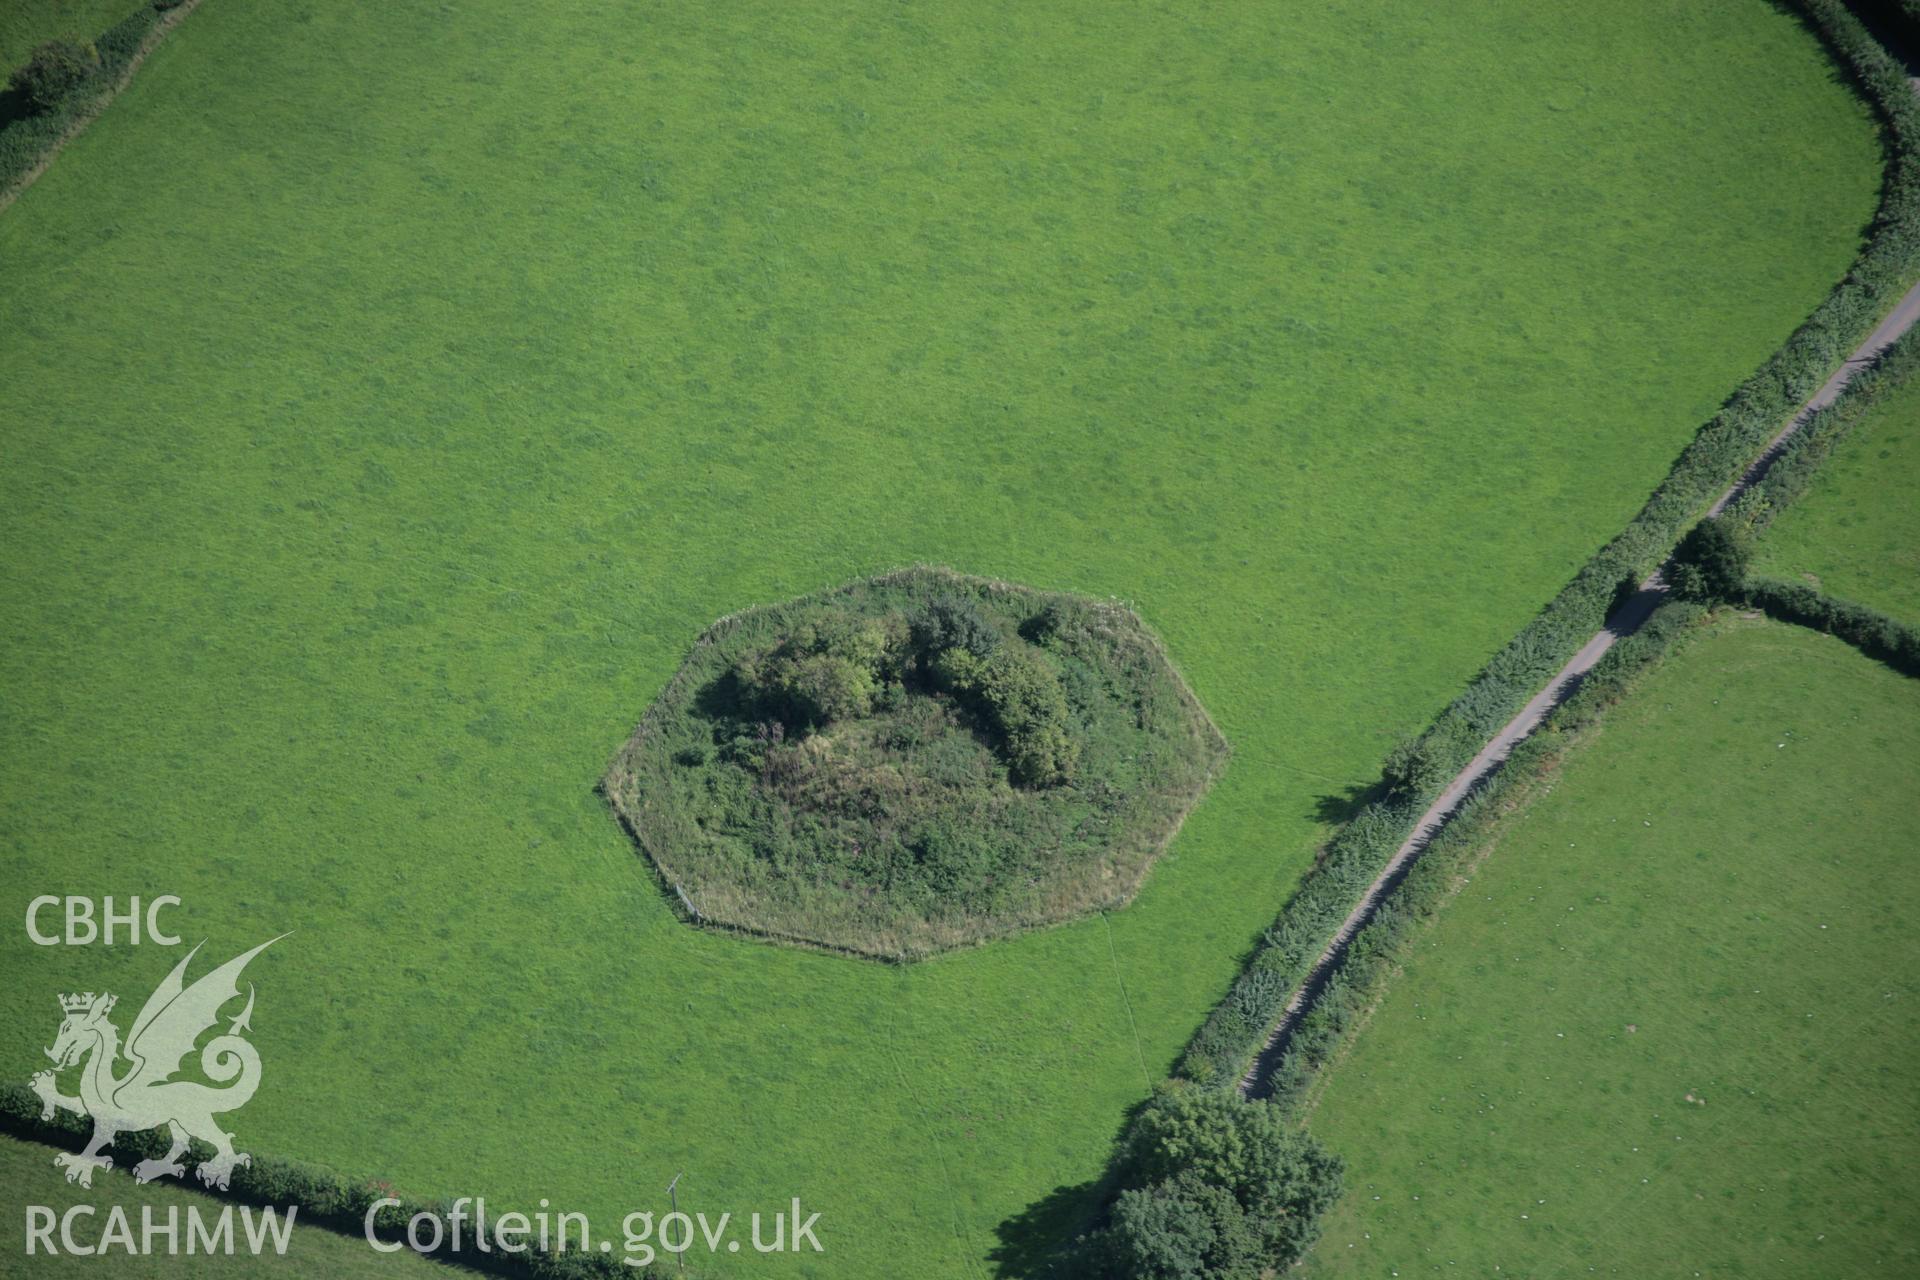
1808 449
1339 1006
54 70
75 86
323 1197
1892 641
1174 1218
1212 1187
1717 554
1712 557
1235 1031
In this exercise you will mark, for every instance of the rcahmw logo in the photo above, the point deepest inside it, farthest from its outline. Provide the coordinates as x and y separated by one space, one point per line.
147 1095
170 1232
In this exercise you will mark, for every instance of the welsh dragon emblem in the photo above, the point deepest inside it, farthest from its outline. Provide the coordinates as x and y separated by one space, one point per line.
145 1095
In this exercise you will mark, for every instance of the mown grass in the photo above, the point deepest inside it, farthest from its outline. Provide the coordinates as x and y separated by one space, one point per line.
1855 532
394 395
27 1173
1661 1028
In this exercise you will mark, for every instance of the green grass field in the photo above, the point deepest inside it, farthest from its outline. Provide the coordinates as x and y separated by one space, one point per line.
26 1170
1856 531
394 395
1714 902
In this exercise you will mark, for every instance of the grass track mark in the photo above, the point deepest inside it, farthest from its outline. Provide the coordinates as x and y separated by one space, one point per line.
1106 918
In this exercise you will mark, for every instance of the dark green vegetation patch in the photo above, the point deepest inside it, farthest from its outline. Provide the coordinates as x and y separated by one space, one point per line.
914 762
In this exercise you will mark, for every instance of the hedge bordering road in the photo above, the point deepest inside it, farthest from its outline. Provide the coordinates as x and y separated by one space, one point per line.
1248 1024
1853 386
1347 987
1339 1006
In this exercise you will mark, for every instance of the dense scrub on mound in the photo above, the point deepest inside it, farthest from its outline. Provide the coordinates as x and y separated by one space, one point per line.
914 762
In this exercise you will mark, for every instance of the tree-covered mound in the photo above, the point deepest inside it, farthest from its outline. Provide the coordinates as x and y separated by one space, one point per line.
913 762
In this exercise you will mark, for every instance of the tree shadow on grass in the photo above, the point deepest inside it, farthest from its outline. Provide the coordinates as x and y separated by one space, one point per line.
1039 1240
1338 808
1044 1241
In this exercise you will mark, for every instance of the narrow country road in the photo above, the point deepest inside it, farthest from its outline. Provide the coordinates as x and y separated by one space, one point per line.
1625 621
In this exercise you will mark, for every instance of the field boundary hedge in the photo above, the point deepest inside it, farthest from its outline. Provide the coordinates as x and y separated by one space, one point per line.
29 144
1875 634
1341 1006
1808 449
1879 635
1236 1031
325 1199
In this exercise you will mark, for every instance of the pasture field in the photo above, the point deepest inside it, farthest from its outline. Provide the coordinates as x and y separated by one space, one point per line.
1666 1027
1856 530
395 392
311 1251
